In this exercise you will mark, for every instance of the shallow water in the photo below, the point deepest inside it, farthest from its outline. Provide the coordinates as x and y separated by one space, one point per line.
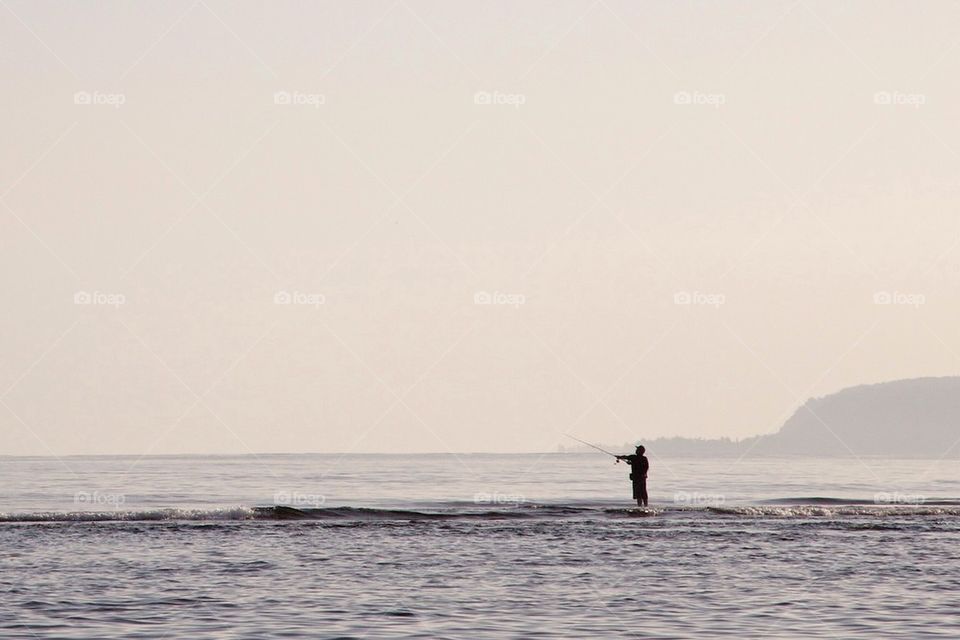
483 546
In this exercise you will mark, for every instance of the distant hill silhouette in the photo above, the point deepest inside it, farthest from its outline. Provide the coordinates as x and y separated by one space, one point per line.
919 417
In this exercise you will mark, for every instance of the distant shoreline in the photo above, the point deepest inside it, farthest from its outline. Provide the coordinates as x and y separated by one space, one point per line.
652 450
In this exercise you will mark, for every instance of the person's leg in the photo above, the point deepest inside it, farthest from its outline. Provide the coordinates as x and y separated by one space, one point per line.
643 492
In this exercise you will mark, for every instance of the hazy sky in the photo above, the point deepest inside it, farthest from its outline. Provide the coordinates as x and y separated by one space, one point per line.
172 172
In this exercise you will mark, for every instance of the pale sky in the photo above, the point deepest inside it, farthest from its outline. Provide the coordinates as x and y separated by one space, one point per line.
587 164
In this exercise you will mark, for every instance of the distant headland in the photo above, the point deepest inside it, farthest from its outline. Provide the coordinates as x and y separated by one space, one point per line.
918 417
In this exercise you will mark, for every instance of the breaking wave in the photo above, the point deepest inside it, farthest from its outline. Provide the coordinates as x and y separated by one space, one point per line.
775 508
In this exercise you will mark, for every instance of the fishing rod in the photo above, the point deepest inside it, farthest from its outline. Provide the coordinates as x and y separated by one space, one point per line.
594 446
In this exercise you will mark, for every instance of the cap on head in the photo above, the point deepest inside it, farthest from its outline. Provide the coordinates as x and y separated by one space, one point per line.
641 449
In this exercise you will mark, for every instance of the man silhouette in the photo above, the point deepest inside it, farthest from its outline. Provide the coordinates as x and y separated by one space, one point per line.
639 465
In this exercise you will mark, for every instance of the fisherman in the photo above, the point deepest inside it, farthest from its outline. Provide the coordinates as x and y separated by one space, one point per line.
639 465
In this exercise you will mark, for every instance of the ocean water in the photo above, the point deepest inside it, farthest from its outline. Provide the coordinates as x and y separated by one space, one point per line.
476 546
